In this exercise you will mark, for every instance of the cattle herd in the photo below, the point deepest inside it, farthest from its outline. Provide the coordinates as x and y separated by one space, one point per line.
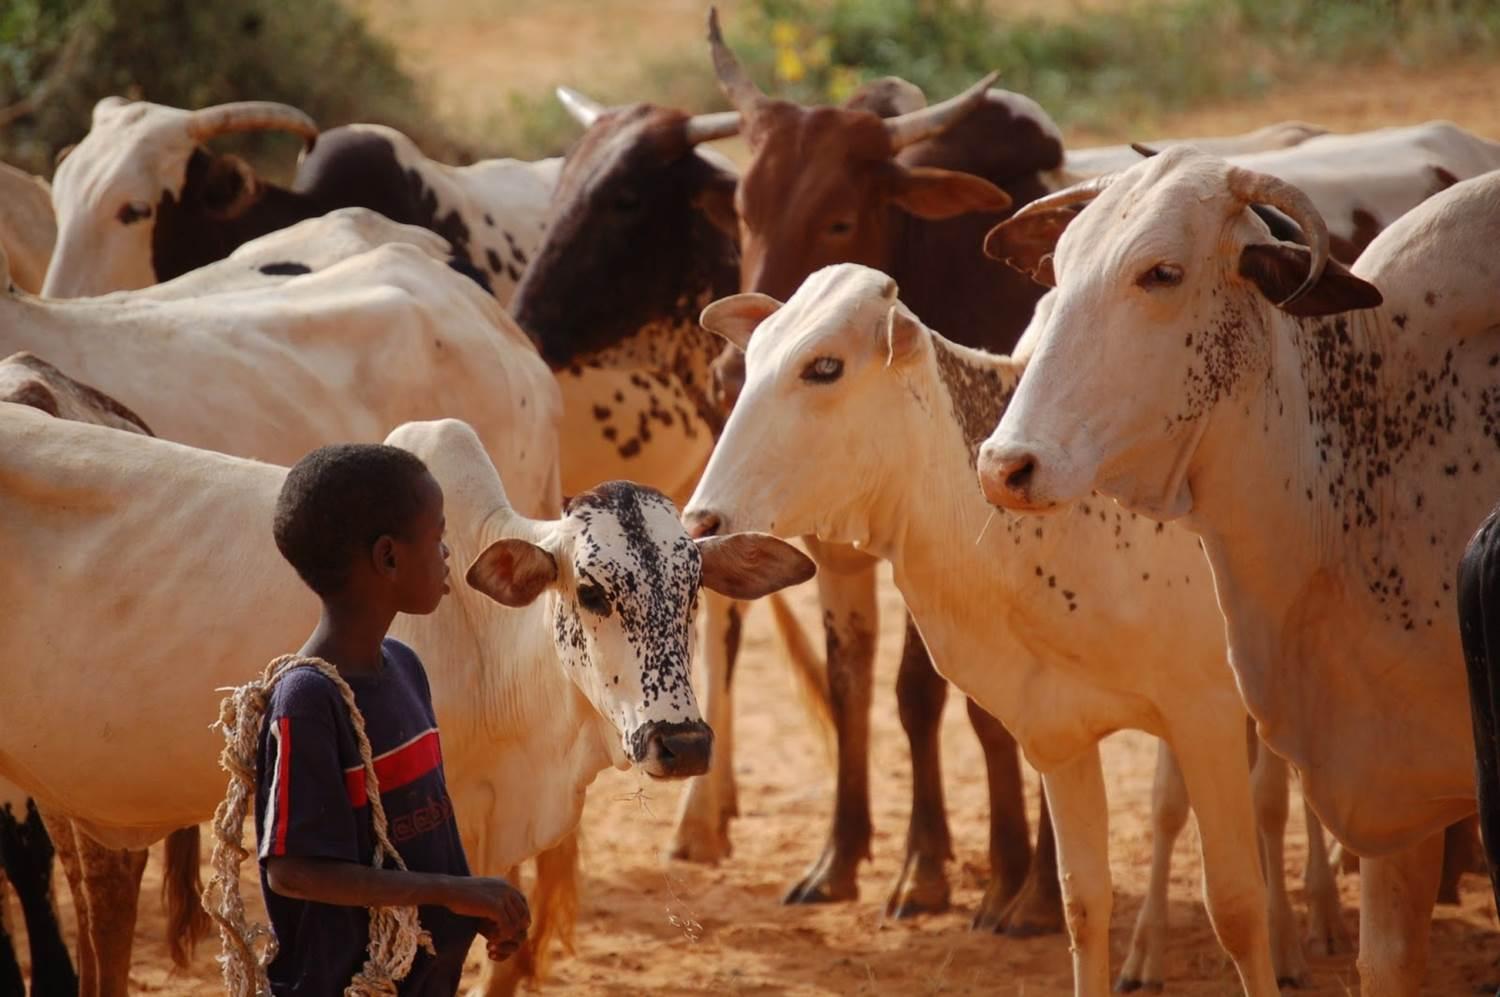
1189 437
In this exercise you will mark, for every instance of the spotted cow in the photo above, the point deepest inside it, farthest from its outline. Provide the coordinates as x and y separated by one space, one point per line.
141 199
1330 436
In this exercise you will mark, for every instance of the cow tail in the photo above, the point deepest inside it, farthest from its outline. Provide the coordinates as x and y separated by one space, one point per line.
809 671
181 892
1479 627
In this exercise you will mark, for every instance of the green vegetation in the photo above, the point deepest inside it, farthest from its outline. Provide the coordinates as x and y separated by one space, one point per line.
1107 69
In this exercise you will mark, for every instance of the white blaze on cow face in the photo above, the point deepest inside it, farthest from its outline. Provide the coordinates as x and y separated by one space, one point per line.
783 463
1150 327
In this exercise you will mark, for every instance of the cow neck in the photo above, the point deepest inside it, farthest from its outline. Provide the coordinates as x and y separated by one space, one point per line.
1337 634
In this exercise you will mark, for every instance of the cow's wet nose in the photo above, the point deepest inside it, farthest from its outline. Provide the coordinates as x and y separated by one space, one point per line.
1006 476
675 750
702 523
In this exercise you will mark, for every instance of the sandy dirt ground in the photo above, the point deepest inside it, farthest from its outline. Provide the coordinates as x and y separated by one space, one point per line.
650 925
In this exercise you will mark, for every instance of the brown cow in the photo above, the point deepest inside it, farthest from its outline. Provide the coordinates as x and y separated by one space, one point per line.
912 195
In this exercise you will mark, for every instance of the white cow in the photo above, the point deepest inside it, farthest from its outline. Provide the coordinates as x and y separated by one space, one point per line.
1097 160
1070 611
1333 461
27 229
591 674
141 198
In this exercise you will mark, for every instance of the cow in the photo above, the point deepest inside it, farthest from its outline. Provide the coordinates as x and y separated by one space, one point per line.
1051 630
26 854
27 228
911 195
141 199
1080 164
105 882
1328 433
602 601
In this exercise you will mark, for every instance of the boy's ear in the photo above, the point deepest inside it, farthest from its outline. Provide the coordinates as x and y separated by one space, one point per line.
512 571
383 555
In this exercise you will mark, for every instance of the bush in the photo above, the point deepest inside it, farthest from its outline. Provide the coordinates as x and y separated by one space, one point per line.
62 56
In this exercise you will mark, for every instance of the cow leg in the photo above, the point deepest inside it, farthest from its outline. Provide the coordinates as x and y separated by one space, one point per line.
921 694
1462 853
1270 785
553 899
112 888
1169 814
1217 774
11 982
1023 898
1327 934
26 855
1396 896
65 840
702 832
846 585
1080 812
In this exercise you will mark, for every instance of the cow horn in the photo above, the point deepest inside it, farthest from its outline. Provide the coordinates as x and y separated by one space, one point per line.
707 127
585 110
915 126
1079 193
736 84
250 116
1258 188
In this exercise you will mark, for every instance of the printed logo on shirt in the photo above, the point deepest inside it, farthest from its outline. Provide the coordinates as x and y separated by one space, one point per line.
435 814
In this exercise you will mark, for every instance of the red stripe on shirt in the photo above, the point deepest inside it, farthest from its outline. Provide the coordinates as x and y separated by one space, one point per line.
283 783
397 767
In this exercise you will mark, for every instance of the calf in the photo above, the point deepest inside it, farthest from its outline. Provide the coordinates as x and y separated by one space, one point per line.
1328 434
587 670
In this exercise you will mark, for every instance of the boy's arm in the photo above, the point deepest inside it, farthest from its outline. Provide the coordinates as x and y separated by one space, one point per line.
350 884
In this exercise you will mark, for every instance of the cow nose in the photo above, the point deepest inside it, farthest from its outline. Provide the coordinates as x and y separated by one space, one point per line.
675 750
1006 477
702 523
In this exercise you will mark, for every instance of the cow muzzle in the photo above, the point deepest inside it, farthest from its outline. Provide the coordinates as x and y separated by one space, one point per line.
673 750
1009 476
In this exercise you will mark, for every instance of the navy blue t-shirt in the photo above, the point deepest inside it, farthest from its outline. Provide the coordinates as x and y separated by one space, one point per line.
310 802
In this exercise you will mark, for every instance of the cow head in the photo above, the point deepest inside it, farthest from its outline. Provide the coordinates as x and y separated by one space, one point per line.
640 234
818 426
1168 290
141 176
623 579
824 182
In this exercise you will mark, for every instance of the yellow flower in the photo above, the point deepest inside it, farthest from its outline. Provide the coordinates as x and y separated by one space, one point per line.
789 68
843 81
784 34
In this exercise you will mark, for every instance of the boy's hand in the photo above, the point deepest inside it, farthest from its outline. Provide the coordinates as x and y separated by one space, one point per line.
498 945
495 901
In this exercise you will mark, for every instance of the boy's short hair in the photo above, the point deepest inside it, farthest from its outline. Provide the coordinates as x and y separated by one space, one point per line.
337 501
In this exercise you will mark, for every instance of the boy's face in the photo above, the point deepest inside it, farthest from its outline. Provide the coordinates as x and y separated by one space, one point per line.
422 557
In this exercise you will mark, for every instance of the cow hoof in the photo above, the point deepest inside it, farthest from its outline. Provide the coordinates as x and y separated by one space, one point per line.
828 881
1289 982
697 843
1129 986
922 888
1031 912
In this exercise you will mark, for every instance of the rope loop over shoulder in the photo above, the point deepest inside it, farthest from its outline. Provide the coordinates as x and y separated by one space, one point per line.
395 933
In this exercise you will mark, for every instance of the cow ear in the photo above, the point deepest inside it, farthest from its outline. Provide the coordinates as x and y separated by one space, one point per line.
1027 242
738 315
715 199
751 565
513 572
903 336
936 194
229 187
1278 269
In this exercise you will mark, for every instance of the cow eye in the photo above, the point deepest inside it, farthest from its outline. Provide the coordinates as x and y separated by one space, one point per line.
592 598
841 227
823 370
133 211
1161 275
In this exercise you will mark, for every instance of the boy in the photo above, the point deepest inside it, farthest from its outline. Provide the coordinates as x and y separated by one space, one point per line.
363 526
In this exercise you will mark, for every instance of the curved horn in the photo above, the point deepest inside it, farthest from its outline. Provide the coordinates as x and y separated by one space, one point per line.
1258 188
250 116
917 125
585 110
736 84
1142 149
707 127
1079 193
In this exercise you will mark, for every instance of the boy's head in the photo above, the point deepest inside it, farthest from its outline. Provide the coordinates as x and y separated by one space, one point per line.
365 520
